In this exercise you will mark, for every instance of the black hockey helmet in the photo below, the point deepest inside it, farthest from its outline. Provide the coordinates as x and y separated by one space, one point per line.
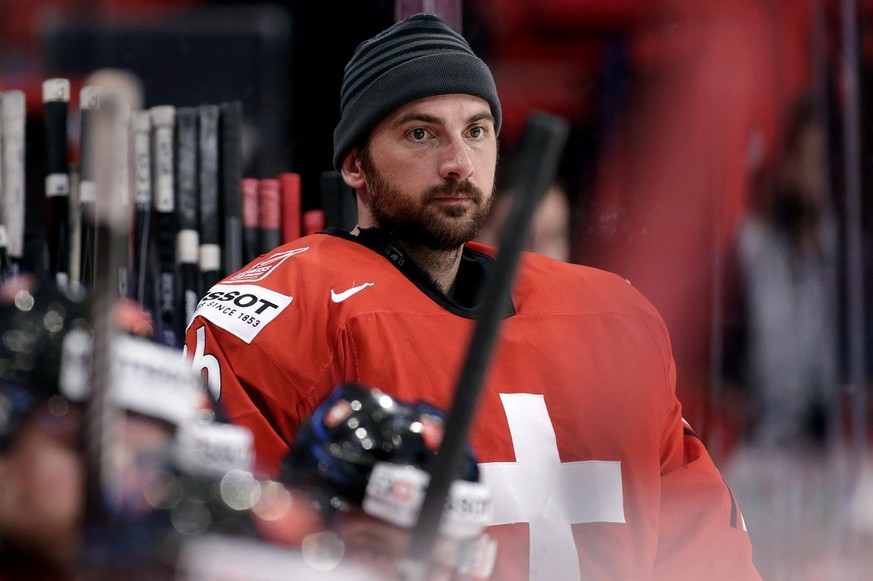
356 427
35 318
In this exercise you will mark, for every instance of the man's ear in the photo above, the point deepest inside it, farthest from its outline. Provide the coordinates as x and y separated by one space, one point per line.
351 170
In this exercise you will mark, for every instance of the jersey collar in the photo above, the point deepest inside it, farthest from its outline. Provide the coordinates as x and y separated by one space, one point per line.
474 268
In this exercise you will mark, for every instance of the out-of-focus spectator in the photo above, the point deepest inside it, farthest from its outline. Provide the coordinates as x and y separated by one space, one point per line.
783 346
550 232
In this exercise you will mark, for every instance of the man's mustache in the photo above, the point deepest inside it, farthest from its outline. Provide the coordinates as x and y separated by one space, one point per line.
465 187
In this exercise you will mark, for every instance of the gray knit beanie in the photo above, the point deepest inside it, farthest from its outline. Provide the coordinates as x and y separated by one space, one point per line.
415 58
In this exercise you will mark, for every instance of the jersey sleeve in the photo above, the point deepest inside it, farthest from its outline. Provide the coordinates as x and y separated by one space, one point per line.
702 533
236 373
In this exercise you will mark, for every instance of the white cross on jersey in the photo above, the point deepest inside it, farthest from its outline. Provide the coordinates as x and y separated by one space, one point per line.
550 495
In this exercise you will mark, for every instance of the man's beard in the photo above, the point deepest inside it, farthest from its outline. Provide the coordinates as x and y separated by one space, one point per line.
418 222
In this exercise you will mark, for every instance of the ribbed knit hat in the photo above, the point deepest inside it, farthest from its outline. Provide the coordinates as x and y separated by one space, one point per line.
415 58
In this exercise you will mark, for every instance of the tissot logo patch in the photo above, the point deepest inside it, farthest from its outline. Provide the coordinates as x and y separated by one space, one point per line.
260 270
243 310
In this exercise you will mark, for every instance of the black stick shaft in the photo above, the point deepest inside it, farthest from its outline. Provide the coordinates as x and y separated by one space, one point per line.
541 148
230 130
163 122
122 187
56 98
210 211
187 211
89 101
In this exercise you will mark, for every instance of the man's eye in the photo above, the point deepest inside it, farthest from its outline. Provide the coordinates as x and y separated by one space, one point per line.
477 132
418 134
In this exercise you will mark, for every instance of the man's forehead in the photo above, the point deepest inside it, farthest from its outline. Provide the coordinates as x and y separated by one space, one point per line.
443 106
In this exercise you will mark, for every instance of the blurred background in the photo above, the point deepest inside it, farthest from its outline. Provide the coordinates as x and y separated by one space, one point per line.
719 159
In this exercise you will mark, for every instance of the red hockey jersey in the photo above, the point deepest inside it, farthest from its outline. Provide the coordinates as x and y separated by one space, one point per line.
578 431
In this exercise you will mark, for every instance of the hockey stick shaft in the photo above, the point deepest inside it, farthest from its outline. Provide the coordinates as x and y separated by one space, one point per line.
13 120
210 211
290 188
56 99
230 129
187 210
163 122
110 232
540 152
141 125
89 101
269 214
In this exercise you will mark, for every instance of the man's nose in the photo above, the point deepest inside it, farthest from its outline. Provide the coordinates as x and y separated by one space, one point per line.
456 162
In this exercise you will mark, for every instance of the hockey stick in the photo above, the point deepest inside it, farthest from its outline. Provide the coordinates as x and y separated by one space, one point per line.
122 187
102 418
251 231
56 99
89 102
187 212
141 125
230 147
13 120
289 185
163 122
269 214
5 265
540 151
210 211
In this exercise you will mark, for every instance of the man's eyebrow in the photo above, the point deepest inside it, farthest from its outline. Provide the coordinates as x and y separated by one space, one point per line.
422 117
434 120
481 117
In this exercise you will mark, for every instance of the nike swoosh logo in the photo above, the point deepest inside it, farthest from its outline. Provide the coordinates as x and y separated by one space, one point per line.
340 297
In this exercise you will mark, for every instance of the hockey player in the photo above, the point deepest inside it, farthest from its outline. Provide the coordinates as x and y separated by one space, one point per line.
579 432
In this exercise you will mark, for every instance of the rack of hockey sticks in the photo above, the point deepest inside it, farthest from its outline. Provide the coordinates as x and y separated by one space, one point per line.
193 217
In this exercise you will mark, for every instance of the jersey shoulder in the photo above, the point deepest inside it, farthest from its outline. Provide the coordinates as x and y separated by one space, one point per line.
579 289
316 254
